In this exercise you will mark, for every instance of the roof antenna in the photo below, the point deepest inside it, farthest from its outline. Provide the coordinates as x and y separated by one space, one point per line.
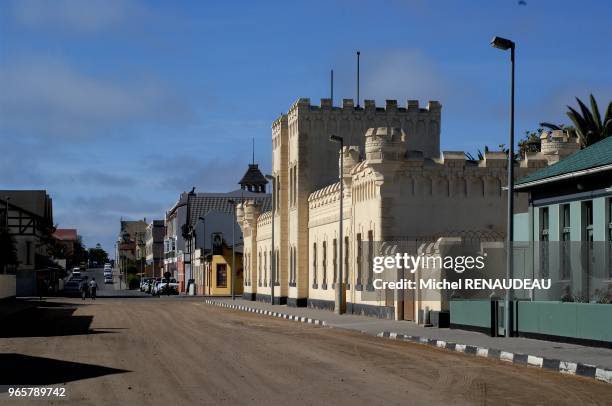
253 149
332 87
358 53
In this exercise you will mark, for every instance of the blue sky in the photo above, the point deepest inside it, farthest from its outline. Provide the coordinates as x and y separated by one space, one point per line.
116 106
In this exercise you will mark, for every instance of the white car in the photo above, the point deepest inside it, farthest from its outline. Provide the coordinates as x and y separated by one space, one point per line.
108 279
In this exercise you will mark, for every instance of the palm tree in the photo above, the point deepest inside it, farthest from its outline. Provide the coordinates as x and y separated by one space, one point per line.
589 126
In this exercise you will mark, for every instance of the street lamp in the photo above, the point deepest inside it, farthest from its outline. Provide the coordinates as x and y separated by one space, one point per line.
339 284
273 259
233 203
506 44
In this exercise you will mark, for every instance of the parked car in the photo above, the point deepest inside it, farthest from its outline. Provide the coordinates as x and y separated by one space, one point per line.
150 288
143 283
76 272
108 279
165 287
72 288
108 272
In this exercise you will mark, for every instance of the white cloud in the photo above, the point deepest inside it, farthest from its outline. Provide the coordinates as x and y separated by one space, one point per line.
74 15
403 75
49 97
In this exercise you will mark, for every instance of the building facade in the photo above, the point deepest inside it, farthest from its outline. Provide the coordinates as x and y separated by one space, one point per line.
566 232
27 215
397 185
130 245
192 220
154 248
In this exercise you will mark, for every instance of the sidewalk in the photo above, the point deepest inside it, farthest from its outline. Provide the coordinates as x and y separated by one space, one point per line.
581 360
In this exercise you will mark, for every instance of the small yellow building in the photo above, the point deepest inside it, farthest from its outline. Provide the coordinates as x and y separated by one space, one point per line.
218 273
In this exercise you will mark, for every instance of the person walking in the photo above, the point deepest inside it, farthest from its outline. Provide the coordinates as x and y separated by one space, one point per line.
83 289
93 287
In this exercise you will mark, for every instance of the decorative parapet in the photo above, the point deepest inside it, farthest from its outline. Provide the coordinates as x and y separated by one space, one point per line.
385 144
453 158
264 219
558 144
252 210
433 106
326 195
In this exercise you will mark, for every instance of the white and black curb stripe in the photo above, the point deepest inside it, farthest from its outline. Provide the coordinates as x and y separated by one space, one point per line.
564 367
285 316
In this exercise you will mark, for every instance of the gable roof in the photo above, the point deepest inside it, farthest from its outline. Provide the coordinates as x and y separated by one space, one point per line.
202 203
595 158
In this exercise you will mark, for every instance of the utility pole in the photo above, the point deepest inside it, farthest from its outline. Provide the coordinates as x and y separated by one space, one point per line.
506 44
273 259
339 284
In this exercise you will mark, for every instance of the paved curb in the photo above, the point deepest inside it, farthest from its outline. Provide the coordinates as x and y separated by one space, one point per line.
268 313
564 367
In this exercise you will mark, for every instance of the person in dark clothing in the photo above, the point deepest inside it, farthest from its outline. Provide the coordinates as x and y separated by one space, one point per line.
83 289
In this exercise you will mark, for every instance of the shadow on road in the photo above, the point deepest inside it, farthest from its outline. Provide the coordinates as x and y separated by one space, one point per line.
19 369
47 319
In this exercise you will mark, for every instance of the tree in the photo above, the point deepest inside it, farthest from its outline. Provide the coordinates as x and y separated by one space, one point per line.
8 250
531 142
97 255
588 124
80 254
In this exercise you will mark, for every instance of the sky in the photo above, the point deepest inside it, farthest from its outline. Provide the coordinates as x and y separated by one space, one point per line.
117 106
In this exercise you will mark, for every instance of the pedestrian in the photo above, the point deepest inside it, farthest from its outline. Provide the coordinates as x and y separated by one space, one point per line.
93 286
83 287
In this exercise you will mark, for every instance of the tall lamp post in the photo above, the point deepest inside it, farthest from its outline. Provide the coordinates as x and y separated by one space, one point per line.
233 203
339 284
506 44
273 259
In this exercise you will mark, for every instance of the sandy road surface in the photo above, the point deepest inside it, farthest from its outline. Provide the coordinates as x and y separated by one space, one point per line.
178 351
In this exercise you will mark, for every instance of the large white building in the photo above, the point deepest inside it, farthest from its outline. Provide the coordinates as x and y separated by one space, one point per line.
397 185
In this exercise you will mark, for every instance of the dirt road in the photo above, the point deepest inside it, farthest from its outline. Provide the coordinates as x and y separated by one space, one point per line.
178 351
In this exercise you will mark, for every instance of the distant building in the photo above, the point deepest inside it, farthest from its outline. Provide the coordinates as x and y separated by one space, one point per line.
66 238
154 248
195 216
216 278
130 244
28 216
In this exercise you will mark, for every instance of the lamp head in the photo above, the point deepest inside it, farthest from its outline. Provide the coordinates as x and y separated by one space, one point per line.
336 138
270 177
502 43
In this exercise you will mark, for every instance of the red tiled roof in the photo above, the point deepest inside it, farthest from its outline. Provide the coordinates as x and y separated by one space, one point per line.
66 234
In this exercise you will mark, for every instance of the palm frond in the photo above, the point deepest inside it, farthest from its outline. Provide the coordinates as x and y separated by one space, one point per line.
550 126
595 111
586 114
608 115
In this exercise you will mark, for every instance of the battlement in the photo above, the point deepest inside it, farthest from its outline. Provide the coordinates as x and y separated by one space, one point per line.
252 210
350 157
433 106
388 143
280 120
558 144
